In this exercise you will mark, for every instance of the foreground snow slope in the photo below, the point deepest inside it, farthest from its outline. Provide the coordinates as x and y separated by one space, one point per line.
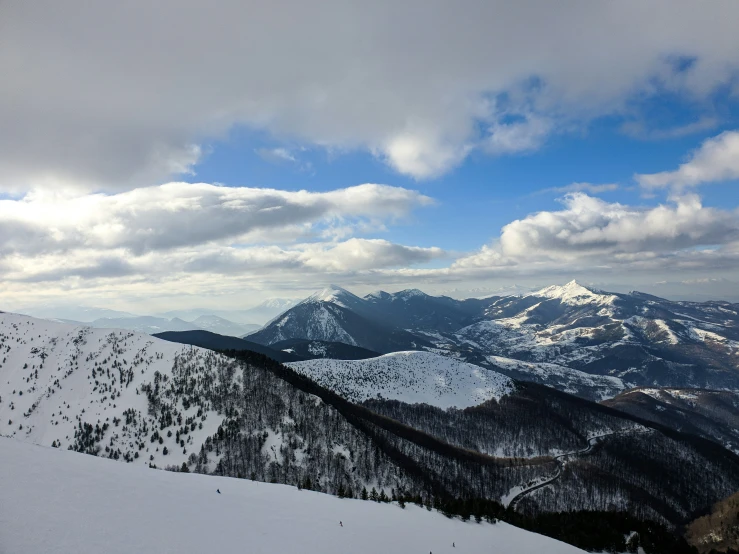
412 377
56 376
59 502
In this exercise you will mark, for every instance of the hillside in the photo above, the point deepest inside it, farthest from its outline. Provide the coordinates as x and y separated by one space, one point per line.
149 511
706 413
214 341
138 399
411 377
580 340
312 349
328 316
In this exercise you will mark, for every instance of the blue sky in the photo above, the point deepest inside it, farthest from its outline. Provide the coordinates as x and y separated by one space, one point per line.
484 193
156 160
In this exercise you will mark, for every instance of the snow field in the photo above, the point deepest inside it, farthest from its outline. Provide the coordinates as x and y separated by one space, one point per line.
61 502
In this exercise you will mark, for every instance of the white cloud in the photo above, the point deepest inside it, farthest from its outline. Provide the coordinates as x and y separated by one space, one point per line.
276 155
191 235
640 130
179 215
590 232
109 95
717 159
590 188
422 156
522 136
361 254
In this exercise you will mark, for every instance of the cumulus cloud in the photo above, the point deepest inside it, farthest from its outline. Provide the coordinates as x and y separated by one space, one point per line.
191 235
521 136
104 95
590 232
177 215
717 159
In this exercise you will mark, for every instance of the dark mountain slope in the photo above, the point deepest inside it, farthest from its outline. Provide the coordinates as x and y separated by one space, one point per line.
312 349
213 341
707 413
326 320
415 310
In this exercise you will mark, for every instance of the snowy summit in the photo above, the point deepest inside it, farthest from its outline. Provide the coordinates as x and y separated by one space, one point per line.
573 293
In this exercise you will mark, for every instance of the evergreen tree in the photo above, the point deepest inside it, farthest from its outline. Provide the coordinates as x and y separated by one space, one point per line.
364 495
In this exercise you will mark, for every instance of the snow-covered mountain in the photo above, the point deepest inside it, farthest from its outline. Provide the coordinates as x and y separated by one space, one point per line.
59 378
84 314
49 496
332 315
134 398
639 339
223 326
152 325
141 324
415 310
411 377
594 387
578 339
256 315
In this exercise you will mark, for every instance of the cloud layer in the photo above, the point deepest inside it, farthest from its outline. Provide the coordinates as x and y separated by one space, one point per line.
590 233
717 159
178 240
105 95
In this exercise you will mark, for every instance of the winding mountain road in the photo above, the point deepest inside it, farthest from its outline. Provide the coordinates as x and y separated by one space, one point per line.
592 441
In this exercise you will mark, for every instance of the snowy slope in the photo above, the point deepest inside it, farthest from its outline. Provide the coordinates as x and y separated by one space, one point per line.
223 326
326 317
599 387
412 377
336 295
47 387
59 502
574 294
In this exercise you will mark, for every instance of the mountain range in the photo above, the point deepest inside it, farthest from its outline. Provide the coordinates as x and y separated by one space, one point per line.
566 400
574 338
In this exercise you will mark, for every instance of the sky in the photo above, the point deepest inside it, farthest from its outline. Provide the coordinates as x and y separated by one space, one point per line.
181 155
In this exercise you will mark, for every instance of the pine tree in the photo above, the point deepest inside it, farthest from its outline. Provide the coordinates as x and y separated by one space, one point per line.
184 468
341 491
373 495
364 493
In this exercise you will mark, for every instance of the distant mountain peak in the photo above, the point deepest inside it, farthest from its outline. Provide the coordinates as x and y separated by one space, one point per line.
377 295
409 293
332 293
573 293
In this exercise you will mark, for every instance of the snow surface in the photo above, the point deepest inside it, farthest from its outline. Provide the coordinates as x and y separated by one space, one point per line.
412 377
334 294
574 294
569 380
60 502
47 388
